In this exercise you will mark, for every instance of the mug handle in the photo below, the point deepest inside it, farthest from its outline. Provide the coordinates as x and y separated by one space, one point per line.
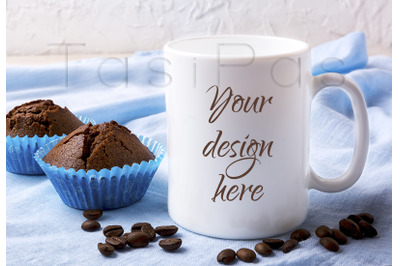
361 132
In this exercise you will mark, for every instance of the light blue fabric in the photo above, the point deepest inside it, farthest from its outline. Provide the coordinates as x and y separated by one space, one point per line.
41 230
337 56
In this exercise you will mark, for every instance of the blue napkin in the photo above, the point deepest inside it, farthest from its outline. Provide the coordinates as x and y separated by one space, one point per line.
41 230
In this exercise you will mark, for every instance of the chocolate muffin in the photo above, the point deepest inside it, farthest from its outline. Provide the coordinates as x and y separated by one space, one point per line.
40 117
97 147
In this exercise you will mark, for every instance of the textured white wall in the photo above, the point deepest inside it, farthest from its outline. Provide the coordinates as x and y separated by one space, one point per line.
121 26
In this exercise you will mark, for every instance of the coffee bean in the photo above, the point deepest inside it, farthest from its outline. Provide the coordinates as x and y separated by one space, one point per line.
125 235
339 236
138 226
105 249
90 225
367 229
263 249
170 244
226 256
367 217
329 243
138 239
354 218
148 229
246 255
289 245
92 214
273 243
116 241
300 234
323 231
166 230
113 230
350 228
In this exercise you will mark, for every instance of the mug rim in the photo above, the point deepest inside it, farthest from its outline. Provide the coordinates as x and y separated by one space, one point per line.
303 47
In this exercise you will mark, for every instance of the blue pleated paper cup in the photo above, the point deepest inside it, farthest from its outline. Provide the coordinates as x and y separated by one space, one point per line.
105 189
20 151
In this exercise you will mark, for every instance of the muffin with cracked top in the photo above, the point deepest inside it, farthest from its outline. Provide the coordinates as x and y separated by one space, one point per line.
101 166
98 146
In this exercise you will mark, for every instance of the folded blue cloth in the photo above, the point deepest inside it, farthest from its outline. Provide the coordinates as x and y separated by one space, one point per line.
41 230
342 56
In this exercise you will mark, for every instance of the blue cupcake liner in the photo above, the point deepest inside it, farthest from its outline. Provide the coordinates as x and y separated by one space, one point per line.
105 189
20 151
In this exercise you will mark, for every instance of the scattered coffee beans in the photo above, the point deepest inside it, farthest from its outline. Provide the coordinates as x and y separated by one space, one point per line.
92 214
142 233
350 228
367 229
90 225
170 244
273 243
138 226
113 230
116 241
149 230
339 236
329 243
289 245
354 225
138 240
323 231
105 249
166 230
246 255
367 217
226 256
263 249
300 234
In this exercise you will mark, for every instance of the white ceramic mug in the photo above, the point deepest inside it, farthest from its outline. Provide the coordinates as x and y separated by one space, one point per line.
238 111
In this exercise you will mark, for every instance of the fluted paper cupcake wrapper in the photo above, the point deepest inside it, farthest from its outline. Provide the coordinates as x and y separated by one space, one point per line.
104 189
20 151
